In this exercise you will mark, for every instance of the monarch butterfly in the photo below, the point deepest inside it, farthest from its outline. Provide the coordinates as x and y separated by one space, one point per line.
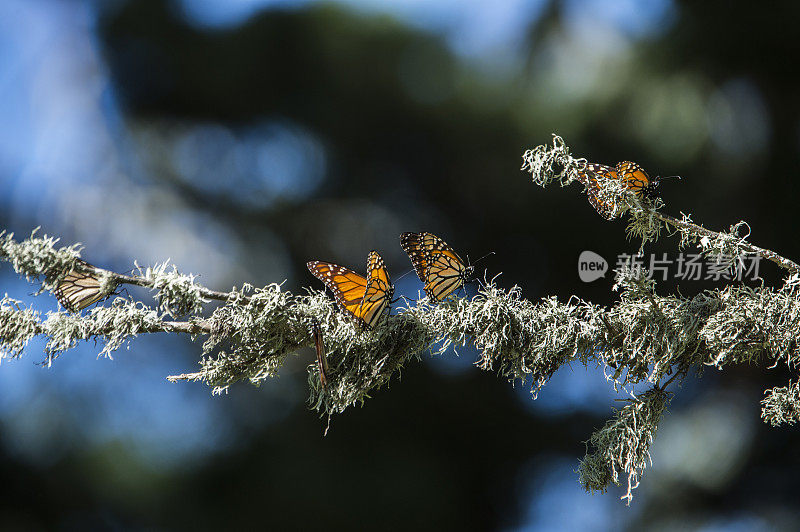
82 287
636 180
437 264
363 298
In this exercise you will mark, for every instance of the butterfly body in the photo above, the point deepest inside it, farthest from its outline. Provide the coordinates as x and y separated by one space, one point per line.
634 176
364 298
436 264
81 288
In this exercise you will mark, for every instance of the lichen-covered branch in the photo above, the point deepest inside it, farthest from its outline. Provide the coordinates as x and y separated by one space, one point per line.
717 240
114 325
38 258
645 337
549 163
735 324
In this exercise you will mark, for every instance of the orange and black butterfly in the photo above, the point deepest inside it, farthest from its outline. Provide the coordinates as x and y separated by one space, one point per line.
82 287
634 176
437 264
365 298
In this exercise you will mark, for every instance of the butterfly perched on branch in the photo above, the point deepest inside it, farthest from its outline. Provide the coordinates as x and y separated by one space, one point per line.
635 178
364 298
82 287
436 263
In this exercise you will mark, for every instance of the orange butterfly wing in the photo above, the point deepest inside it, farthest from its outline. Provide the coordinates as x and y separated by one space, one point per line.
364 298
347 286
588 177
413 245
635 177
436 263
378 293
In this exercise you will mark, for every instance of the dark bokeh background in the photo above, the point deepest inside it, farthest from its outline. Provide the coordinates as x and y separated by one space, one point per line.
241 139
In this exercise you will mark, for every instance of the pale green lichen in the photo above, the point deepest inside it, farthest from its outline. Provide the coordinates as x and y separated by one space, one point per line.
521 339
177 294
644 224
550 163
18 325
728 249
655 335
37 257
782 405
754 325
621 448
115 325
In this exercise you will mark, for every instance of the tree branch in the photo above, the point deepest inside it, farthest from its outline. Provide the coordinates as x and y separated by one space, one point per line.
643 337
688 227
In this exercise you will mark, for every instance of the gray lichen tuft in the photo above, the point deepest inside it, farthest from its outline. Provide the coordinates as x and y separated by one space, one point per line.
177 293
549 163
251 340
728 249
115 324
622 445
37 257
644 224
653 336
754 325
18 325
521 339
782 405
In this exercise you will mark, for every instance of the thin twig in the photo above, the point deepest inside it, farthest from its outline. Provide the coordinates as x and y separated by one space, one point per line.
189 327
147 283
204 292
765 253
662 387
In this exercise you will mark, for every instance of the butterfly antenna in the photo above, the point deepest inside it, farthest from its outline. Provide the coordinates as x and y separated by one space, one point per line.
480 259
407 272
669 177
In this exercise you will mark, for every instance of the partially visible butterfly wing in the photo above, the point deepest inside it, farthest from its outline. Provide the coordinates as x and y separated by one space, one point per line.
376 299
446 272
347 286
79 289
378 293
412 244
588 177
635 177
376 268
322 360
